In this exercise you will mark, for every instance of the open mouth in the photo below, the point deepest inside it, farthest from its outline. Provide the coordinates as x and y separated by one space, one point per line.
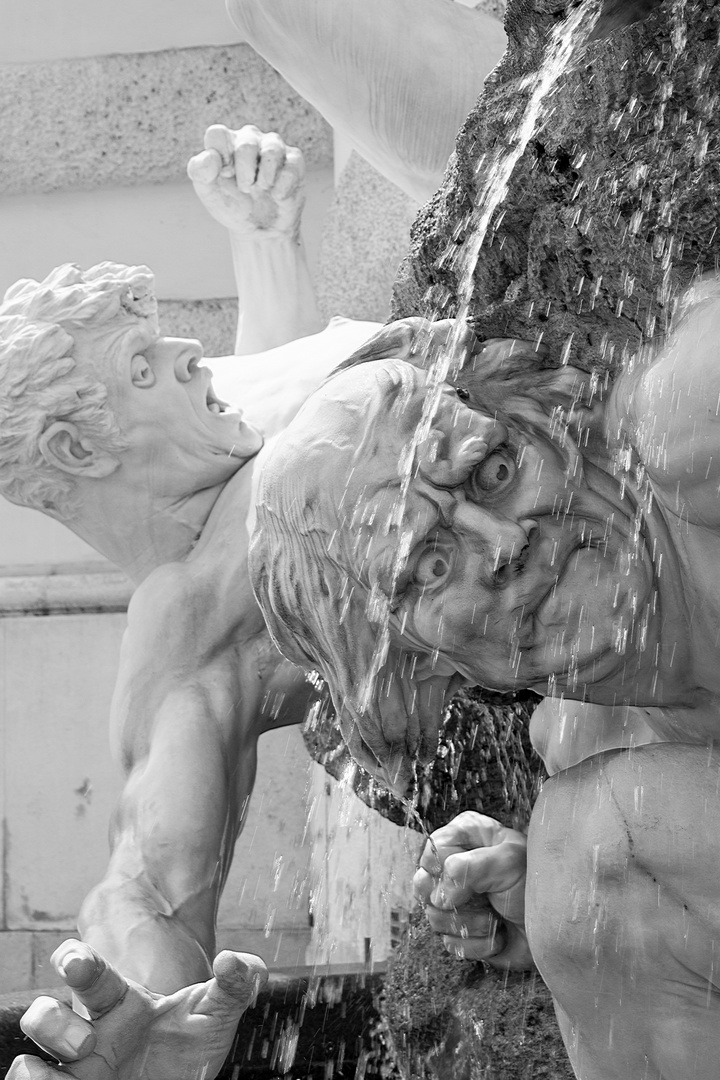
218 407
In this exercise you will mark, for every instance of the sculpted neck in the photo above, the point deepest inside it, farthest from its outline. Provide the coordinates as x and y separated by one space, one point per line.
139 532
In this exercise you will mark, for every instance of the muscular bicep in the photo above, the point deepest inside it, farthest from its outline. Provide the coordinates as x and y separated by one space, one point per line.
179 645
190 786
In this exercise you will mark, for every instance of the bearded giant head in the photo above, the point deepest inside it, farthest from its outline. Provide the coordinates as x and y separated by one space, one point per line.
416 533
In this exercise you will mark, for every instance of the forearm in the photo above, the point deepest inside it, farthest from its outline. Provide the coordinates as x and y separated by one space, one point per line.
276 298
126 920
153 913
172 835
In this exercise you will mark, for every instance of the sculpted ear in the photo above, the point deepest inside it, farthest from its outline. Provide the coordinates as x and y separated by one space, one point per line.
63 447
505 369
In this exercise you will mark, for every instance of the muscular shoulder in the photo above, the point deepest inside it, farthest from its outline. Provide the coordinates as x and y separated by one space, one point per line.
671 412
203 603
565 732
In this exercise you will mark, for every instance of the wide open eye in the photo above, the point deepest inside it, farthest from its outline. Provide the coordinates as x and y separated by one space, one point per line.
494 473
433 566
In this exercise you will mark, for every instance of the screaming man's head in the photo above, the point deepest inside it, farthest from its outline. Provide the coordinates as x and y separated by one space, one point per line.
88 383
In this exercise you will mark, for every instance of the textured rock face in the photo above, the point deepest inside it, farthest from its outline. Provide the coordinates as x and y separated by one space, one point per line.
613 206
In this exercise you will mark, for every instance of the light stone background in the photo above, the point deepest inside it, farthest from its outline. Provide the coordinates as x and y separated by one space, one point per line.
102 103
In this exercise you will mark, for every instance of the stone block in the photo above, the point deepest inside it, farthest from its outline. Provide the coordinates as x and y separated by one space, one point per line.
44 944
15 961
129 119
366 234
164 226
25 959
284 948
361 875
28 538
42 30
60 784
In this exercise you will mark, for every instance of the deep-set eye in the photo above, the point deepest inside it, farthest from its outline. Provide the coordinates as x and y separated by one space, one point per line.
432 567
494 472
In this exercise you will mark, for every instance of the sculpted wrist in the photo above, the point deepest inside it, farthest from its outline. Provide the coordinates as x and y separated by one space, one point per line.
513 952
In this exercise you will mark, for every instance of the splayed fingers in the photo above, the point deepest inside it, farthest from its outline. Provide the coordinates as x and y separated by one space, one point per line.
132 1033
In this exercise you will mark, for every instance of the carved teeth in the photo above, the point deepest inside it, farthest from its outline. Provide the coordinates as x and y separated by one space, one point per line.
214 407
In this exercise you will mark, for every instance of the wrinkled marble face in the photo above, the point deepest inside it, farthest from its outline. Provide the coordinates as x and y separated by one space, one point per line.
404 549
522 564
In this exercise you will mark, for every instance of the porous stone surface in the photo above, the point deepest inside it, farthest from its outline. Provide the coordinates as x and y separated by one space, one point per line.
612 207
366 234
213 322
137 118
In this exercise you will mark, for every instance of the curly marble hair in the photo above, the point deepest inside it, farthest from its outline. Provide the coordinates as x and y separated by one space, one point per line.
40 381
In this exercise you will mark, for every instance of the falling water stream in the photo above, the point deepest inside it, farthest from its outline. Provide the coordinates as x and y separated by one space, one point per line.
565 42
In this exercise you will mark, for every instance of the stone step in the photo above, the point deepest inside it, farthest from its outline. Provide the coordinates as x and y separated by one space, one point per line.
137 118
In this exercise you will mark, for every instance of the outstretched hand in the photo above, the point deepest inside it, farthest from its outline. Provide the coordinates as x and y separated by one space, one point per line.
472 882
250 181
131 1033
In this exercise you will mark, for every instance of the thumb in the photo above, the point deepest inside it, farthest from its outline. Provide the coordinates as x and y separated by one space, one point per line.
26 1067
238 977
205 167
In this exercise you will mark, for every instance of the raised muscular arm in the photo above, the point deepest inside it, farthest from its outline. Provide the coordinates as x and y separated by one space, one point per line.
396 78
251 182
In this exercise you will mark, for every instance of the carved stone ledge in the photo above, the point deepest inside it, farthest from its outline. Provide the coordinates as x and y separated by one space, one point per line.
70 590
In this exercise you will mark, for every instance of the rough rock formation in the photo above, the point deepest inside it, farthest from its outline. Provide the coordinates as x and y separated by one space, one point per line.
612 207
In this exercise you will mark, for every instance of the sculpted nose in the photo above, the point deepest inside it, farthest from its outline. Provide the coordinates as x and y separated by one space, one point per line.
512 550
186 355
